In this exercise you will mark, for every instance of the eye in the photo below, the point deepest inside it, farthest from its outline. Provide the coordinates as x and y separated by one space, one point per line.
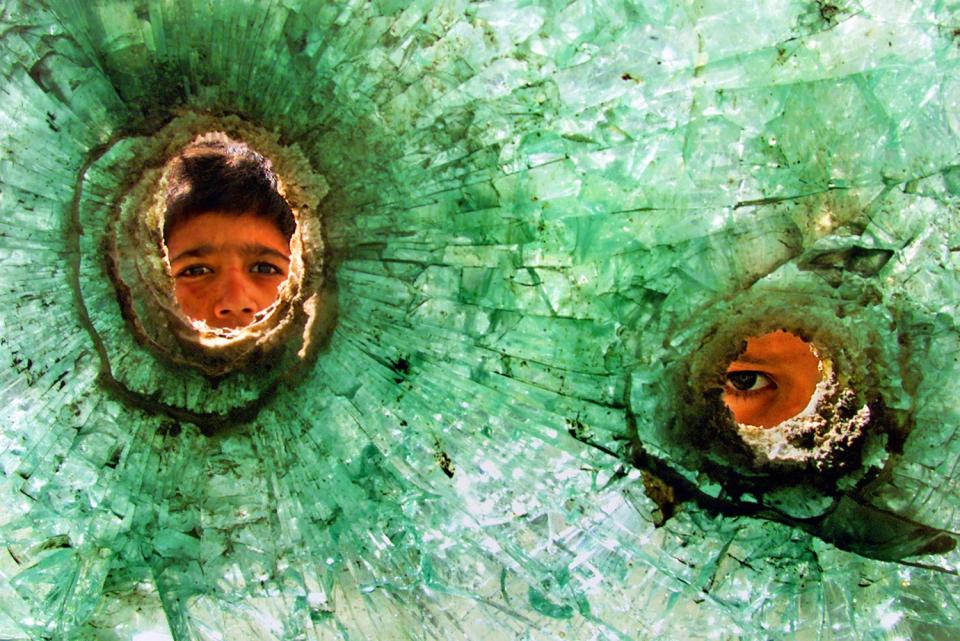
748 381
194 271
266 268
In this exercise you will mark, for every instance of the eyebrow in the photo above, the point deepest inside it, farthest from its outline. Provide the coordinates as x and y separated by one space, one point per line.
747 360
247 249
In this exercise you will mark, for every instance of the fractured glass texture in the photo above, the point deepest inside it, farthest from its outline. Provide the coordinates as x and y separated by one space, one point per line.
537 210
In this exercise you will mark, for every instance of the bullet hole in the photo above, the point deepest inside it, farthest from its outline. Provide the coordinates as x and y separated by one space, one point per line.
443 460
160 260
402 367
783 407
128 305
828 11
782 394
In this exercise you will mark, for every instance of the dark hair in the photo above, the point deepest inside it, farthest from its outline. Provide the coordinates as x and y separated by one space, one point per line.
218 174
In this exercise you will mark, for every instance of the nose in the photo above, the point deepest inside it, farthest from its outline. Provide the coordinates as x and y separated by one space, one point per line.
235 305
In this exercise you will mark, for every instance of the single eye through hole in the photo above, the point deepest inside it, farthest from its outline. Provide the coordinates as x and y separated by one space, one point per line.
747 381
772 380
227 231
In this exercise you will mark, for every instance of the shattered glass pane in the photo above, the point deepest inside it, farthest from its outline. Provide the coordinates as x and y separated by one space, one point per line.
550 225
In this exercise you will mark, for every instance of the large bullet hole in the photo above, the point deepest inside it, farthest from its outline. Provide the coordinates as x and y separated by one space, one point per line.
160 250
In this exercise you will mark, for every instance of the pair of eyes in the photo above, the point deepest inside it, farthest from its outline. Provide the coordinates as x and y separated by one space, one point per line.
260 267
747 381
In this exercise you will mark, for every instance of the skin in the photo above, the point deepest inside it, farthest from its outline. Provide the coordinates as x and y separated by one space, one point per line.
772 380
227 267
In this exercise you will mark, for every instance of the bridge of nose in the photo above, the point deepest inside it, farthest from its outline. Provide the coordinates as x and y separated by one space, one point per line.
235 294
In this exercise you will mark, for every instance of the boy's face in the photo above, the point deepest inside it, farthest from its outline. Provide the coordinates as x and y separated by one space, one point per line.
227 267
772 380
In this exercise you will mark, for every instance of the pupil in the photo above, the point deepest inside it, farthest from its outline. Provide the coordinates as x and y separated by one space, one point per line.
742 380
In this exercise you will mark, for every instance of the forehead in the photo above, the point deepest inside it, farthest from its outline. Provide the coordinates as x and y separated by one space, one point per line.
224 229
778 342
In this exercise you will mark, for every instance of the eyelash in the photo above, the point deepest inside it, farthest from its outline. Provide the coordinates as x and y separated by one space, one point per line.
183 272
733 391
276 271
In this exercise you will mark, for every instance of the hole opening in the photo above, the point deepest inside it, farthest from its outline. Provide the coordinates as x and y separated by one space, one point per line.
283 327
228 233
773 379
783 402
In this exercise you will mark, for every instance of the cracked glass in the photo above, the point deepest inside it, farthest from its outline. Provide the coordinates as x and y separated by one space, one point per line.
543 230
